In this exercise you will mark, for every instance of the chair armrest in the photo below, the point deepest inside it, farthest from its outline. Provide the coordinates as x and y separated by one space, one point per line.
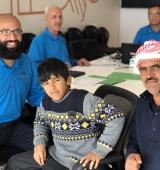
77 166
111 158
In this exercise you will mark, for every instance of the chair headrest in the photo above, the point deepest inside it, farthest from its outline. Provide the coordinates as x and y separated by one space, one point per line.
121 103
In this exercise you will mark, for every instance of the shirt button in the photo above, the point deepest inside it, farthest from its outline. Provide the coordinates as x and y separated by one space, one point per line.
154 129
156 113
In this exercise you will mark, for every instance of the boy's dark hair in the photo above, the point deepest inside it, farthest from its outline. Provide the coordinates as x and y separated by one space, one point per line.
52 66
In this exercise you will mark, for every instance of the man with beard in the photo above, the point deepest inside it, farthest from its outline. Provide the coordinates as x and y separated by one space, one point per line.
50 43
151 31
18 84
144 142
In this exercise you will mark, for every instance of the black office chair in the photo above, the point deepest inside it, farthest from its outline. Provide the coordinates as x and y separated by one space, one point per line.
77 49
125 100
86 48
103 35
91 32
27 38
73 34
93 50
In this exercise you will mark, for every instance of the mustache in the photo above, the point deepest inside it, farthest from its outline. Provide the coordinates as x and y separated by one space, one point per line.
151 78
10 41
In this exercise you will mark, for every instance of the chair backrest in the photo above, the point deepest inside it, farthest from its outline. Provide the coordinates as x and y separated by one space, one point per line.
86 48
93 50
26 41
90 32
77 49
103 36
73 33
130 100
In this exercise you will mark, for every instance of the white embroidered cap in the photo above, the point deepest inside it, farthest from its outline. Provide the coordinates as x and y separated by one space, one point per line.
150 50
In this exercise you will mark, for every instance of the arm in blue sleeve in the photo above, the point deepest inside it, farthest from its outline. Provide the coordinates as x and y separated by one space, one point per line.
36 92
37 50
137 39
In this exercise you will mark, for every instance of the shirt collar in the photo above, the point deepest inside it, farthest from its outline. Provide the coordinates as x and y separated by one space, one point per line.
150 29
15 65
149 97
51 35
146 95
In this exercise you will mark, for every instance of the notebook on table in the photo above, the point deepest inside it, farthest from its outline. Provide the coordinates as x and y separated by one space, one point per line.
76 73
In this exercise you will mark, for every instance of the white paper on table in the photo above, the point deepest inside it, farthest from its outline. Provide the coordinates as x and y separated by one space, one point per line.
131 84
87 68
87 80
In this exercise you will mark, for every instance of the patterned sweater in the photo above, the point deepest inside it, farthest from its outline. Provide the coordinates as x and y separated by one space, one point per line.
79 123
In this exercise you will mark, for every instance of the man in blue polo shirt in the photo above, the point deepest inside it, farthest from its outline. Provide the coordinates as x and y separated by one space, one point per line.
151 31
50 43
144 143
18 84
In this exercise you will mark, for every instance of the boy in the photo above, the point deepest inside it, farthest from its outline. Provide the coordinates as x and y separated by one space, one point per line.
76 119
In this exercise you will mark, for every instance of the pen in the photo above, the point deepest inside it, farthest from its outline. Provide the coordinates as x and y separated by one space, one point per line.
122 67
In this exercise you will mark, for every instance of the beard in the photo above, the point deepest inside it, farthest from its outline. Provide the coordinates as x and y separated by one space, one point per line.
10 53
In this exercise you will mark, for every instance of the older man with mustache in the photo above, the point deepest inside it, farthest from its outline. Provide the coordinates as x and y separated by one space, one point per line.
144 142
50 43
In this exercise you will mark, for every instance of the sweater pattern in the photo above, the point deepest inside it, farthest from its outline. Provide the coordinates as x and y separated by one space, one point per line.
74 126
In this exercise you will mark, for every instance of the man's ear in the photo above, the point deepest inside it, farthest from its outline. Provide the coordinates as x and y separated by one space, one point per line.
69 80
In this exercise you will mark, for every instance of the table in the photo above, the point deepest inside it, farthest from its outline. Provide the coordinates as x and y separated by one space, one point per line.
103 67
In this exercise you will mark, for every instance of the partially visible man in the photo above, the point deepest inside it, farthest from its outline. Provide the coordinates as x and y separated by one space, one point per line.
144 142
50 43
18 84
151 31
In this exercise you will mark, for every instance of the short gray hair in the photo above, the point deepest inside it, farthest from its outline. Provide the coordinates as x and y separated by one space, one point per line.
51 6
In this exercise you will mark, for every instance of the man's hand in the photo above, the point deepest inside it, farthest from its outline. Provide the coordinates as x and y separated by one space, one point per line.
83 62
133 162
92 159
40 154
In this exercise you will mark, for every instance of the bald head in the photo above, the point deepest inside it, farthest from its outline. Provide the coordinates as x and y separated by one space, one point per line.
9 21
10 37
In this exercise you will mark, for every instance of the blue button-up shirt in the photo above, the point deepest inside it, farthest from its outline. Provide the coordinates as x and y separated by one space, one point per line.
145 133
18 84
46 45
145 34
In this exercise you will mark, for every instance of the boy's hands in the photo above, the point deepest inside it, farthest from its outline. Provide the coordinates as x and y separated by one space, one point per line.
92 159
40 154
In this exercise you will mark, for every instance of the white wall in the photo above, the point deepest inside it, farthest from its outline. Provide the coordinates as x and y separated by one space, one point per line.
122 23
102 13
131 19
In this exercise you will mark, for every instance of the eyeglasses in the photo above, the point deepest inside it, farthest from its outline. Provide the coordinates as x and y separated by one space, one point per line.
152 15
8 32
